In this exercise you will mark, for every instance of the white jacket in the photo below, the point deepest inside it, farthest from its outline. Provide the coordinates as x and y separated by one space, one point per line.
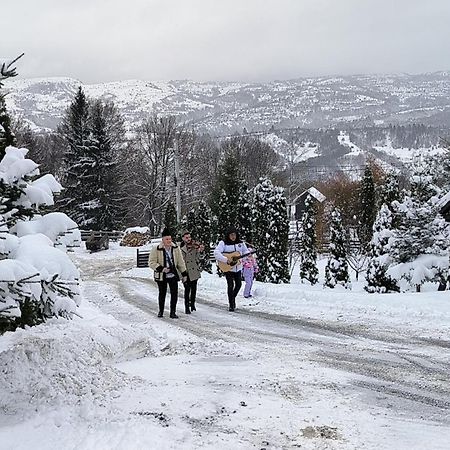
225 248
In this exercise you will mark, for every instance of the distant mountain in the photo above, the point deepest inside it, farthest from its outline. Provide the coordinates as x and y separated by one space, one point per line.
320 125
222 107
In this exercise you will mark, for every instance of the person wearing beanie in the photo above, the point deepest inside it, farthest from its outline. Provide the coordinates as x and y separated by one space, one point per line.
168 267
191 251
231 243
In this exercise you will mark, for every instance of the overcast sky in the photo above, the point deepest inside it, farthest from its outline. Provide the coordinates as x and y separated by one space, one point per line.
241 40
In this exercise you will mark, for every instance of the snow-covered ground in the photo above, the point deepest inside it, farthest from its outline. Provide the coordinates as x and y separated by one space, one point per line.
295 367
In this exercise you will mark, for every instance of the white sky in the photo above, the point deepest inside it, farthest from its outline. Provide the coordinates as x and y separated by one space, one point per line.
242 40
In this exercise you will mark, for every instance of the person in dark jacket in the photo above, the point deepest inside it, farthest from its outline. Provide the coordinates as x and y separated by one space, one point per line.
231 243
191 251
168 267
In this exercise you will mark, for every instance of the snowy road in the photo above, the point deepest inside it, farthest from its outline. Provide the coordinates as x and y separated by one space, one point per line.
347 381
336 370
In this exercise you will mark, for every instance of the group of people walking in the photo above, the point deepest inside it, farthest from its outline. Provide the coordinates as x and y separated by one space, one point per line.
172 262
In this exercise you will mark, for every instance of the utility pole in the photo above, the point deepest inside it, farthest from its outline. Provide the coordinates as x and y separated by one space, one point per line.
176 158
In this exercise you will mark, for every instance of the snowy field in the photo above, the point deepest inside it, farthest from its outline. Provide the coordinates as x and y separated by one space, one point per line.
295 367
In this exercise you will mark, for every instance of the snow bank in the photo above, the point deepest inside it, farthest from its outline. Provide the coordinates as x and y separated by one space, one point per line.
62 362
57 226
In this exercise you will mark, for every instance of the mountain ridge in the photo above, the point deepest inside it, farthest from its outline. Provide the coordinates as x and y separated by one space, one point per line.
218 107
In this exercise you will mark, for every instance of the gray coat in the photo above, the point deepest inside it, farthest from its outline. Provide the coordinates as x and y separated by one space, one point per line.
191 257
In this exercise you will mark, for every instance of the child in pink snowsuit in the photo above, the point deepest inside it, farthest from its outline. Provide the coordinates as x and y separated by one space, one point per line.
250 267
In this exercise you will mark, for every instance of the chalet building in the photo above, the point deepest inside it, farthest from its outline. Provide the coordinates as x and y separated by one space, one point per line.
297 207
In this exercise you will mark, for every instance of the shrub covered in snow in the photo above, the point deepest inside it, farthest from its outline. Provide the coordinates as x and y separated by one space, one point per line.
270 230
377 279
37 278
419 245
307 244
336 270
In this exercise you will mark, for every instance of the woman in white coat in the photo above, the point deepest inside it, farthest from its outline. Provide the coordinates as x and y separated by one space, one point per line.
231 243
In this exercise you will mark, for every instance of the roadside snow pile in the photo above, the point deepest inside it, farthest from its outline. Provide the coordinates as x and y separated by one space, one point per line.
59 228
62 362
37 280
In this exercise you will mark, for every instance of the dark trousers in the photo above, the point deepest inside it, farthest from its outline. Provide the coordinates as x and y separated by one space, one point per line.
234 282
190 291
162 287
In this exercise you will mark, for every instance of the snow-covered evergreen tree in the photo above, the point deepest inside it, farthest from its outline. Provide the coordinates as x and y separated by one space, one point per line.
107 133
377 279
389 191
170 218
368 206
307 244
420 239
37 279
270 232
203 233
336 270
225 198
79 199
6 134
244 215
7 70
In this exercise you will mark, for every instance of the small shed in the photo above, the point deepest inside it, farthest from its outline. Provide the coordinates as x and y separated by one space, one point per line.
298 205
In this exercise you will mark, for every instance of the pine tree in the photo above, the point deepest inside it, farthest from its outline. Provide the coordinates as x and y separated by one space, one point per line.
79 197
6 134
336 270
170 218
390 190
271 229
225 198
376 276
107 131
244 215
203 233
420 230
368 206
307 244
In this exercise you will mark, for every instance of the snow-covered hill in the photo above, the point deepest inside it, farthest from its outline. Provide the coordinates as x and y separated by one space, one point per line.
227 106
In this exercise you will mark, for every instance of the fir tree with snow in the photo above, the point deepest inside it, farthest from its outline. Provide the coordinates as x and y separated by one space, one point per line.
420 240
244 215
389 191
420 231
307 244
79 199
107 133
368 206
7 70
6 133
336 270
376 277
270 231
170 218
225 198
37 279
203 233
